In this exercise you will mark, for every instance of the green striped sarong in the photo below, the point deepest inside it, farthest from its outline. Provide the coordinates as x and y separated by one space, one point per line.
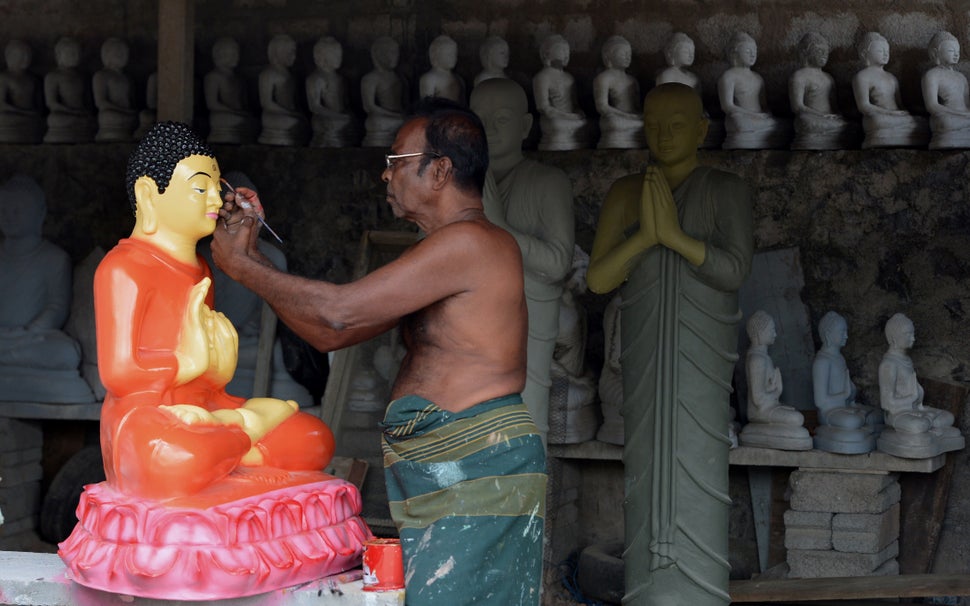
467 493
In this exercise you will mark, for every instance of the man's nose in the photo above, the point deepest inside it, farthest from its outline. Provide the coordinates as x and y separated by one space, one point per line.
386 174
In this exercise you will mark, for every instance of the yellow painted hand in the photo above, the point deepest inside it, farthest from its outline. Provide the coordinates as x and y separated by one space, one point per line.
223 345
192 351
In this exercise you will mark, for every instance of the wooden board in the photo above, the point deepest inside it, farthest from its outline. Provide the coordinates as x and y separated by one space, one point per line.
849 588
924 496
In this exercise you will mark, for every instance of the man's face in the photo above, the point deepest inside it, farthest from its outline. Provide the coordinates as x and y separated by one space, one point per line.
190 204
404 184
505 123
672 128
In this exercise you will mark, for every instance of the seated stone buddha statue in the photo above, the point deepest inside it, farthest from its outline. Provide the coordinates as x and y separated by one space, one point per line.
38 360
208 495
771 424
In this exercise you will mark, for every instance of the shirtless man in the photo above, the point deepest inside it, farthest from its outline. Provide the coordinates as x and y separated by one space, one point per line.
458 297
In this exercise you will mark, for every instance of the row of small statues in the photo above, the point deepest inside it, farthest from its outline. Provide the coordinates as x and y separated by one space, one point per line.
818 124
903 425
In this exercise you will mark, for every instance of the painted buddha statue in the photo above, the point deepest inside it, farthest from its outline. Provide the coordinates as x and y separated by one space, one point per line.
208 495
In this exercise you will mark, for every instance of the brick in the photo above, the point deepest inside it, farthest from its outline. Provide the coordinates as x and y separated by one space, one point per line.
812 564
863 532
808 519
808 538
840 492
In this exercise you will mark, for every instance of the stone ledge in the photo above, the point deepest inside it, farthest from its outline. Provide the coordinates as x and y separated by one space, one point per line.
875 462
40 579
44 410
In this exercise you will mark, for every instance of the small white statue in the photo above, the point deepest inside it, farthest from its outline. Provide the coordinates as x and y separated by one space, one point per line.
947 95
66 90
117 116
382 94
282 121
39 362
877 96
230 119
679 54
813 98
334 125
561 121
771 424
617 97
845 426
913 430
743 98
494 55
21 118
441 80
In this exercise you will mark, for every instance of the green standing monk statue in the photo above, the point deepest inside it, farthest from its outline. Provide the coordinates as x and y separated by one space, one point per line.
677 240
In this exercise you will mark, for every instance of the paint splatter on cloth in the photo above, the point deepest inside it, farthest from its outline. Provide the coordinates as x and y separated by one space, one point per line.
467 493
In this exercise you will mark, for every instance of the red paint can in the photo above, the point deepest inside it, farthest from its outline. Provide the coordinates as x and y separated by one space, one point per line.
383 565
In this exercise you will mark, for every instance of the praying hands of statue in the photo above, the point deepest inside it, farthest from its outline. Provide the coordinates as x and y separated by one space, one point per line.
208 343
666 229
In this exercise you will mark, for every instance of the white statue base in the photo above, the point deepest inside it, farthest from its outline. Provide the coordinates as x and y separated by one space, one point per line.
946 135
334 132
380 131
920 445
896 131
844 441
617 136
563 135
761 132
775 435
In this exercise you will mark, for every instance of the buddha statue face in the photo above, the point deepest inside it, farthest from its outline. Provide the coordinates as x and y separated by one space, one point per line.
282 51
67 53
761 328
877 52
900 332
502 106
225 53
555 52
328 54
385 53
495 53
674 123
22 207
947 52
617 53
443 53
681 52
833 330
745 52
189 206
114 54
813 50
17 55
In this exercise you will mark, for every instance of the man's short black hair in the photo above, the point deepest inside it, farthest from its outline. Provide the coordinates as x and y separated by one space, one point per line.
455 131
159 151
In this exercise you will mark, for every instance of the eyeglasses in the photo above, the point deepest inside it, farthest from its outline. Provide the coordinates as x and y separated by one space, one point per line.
390 158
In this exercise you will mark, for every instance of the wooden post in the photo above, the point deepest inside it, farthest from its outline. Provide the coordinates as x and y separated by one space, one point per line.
176 49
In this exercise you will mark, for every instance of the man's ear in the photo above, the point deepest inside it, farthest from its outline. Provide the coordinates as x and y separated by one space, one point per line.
527 120
146 193
442 171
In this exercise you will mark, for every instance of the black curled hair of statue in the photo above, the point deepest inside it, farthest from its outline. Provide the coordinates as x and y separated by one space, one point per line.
456 132
160 150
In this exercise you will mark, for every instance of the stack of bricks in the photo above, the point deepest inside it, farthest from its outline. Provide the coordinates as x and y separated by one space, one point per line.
21 443
842 524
